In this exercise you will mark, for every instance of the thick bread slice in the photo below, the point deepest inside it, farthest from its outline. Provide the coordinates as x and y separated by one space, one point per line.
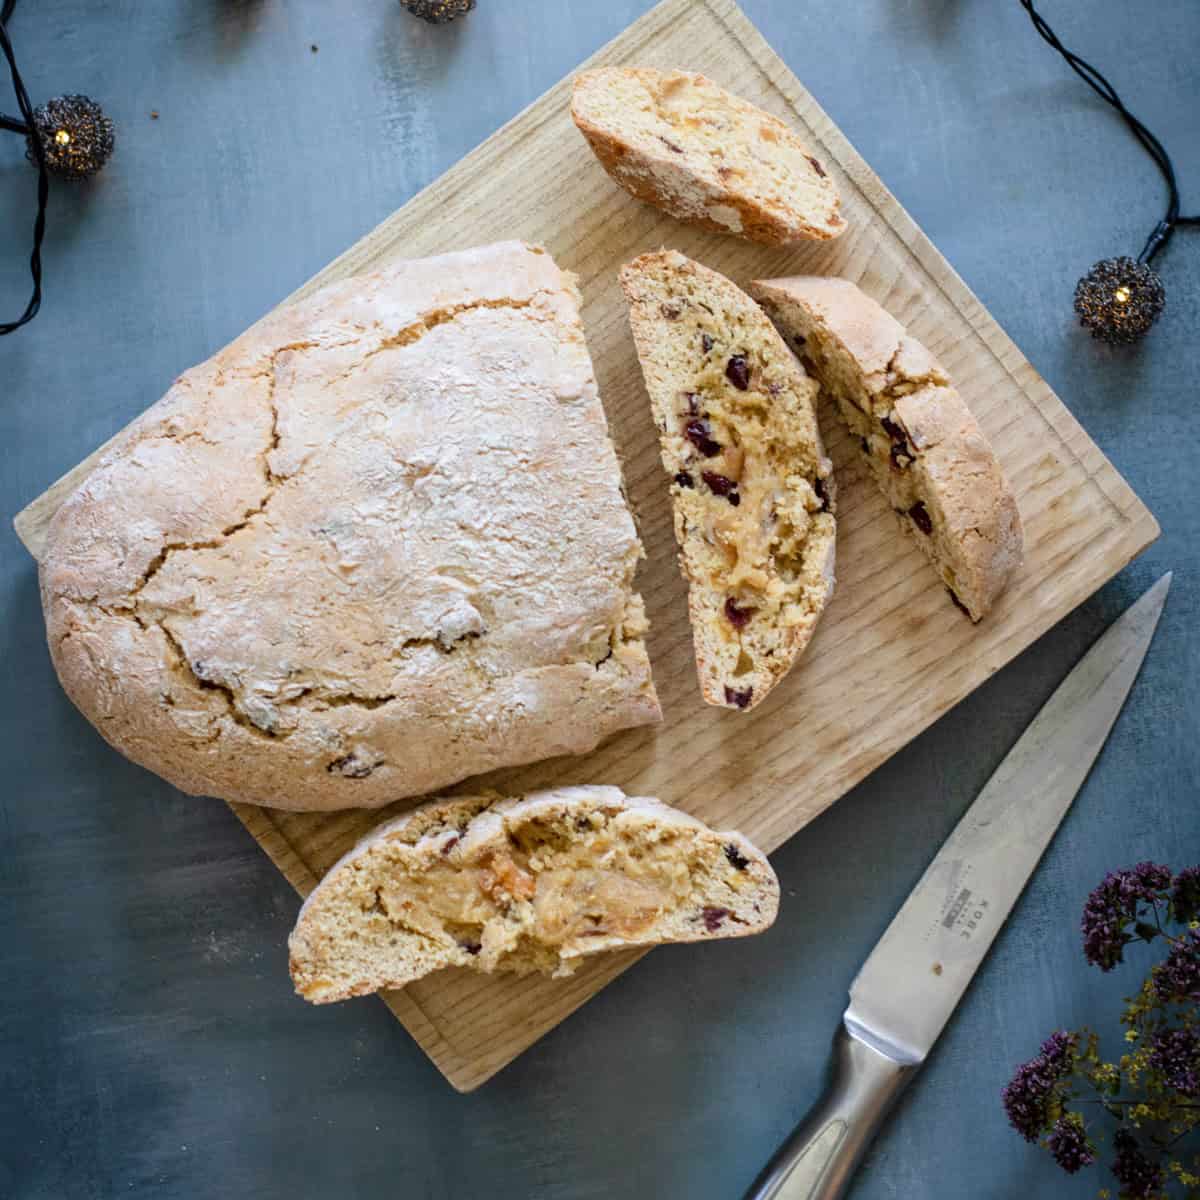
926 450
752 489
375 546
529 884
681 143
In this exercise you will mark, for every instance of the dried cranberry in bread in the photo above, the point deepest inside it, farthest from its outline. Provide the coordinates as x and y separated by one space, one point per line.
528 884
752 489
375 546
926 450
687 146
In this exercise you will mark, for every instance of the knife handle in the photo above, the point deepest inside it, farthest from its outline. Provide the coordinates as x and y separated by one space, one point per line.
819 1158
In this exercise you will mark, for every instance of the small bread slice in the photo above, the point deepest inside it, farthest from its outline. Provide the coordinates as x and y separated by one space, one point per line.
926 450
527 884
752 489
687 146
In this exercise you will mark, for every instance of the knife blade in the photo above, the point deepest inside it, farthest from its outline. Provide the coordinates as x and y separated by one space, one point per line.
919 970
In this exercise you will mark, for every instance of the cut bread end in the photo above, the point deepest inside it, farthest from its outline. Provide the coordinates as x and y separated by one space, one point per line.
678 141
523 885
752 489
924 447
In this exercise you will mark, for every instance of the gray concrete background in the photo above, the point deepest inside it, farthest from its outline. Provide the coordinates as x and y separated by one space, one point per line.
149 1040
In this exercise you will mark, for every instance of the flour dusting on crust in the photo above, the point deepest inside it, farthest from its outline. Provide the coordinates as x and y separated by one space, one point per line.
375 546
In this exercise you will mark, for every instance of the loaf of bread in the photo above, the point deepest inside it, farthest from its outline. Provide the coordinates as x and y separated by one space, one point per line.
375 546
752 489
681 143
924 447
529 884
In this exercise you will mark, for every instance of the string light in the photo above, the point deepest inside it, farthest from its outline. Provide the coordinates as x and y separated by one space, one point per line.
437 12
77 135
69 136
1119 299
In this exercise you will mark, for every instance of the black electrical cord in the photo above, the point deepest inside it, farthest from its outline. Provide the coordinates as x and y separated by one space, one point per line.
1105 90
10 123
28 128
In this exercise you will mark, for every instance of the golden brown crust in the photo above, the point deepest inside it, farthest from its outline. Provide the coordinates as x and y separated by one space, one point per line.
373 547
925 448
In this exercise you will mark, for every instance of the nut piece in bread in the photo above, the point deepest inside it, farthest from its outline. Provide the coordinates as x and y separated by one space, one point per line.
924 447
375 546
528 884
753 492
687 146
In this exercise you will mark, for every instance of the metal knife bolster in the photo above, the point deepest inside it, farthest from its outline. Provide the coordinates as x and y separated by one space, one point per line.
861 1030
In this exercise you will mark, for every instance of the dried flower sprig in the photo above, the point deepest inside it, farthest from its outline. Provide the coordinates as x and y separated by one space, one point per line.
1118 905
1152 1091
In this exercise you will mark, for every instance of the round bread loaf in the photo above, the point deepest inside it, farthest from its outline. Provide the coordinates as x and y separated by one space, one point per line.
375 546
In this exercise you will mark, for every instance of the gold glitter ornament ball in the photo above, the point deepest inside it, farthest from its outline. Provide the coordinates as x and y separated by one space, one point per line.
1119 299
77 137
437 12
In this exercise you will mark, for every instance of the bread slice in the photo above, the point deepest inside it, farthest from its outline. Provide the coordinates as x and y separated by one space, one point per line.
752 489
681 143
375 546
528 884
924 447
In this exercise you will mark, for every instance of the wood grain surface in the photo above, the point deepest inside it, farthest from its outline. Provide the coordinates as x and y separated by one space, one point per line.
892 653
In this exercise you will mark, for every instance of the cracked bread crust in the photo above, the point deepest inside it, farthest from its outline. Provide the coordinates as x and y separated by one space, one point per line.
752 490
678 141
375 546
534 883
926 450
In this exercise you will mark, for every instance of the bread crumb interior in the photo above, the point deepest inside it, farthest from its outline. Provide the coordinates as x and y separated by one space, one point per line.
728 143
753 492
874 409
554 888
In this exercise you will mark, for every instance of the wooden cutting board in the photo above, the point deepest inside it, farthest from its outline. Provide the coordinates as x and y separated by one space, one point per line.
892 653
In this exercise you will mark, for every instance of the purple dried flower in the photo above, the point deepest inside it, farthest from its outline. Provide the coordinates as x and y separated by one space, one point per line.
1028 1094
1140 1179
1176 1053
1068 1143
1153 877
1179 977
1160 1083
1059 1051
1026 1098
1113 906
1185 895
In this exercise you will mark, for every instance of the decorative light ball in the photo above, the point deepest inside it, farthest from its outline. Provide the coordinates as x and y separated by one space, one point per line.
1119 299
77 136
437 12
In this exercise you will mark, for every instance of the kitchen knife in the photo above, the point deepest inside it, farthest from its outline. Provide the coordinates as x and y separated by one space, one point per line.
916 975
